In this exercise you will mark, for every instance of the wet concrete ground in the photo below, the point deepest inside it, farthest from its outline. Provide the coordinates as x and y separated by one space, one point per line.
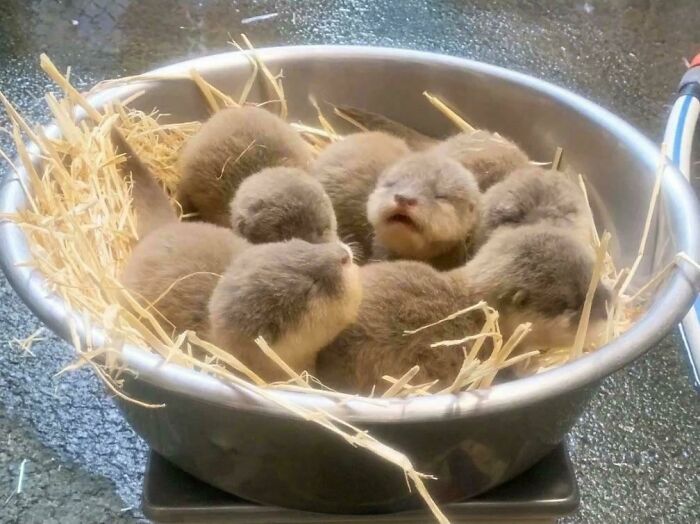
635 450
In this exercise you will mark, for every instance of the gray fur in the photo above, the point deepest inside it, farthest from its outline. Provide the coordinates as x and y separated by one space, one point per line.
348 170
267 289
534 195
232 145
534 273
538 267
397 296
445 210
159 272
489 156
282 203
170 253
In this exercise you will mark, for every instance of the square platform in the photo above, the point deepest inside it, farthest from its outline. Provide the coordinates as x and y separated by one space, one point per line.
542 494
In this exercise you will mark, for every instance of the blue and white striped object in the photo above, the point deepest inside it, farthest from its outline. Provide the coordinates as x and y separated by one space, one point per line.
679 140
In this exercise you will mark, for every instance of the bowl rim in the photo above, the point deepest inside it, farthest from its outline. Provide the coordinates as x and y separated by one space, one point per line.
672 301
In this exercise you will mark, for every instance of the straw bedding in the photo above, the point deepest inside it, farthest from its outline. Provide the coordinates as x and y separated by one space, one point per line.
81 228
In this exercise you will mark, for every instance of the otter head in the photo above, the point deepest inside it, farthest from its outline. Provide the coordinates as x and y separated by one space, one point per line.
488 155
539 274
533 195
423 206
298 296
282 203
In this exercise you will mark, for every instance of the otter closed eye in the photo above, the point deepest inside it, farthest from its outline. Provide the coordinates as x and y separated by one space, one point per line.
428 210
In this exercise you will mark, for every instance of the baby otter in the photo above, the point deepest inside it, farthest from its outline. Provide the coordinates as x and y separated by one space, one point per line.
488 155
376 122
533 195
296 295
425 207
535 274
232 145
281 203
175 270
348 170
175 266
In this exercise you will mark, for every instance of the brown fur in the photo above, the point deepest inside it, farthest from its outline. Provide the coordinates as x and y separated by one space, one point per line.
348 171
375 122
296 295
170 269
488 155
281 203
534 273
171 253
425 207
533 195
540 274
397 296
232 145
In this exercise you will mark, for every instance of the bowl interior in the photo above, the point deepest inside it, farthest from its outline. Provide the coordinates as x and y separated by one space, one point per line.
619 179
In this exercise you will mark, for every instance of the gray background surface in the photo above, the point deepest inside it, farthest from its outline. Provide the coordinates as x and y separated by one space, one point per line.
635 450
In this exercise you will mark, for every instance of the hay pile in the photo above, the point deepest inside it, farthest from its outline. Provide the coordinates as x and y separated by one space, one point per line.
81 229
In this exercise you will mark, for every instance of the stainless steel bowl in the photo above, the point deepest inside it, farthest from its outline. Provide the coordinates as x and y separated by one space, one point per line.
234 439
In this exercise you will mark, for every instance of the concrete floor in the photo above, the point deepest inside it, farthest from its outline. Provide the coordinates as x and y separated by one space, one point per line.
635 450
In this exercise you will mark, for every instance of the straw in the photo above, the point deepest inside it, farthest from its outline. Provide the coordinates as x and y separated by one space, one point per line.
342 114
582 329
449 113
557 159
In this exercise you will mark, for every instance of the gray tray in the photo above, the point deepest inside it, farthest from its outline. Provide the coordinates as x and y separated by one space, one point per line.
544 493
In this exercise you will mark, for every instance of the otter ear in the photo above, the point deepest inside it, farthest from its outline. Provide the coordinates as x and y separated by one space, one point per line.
508 212
239 225
519 297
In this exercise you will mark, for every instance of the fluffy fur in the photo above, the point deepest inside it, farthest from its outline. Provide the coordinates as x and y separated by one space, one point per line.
173 269
488 155
296 295
533 195
158 272
540 274
232 145
425 207
533 273
348 170
281 203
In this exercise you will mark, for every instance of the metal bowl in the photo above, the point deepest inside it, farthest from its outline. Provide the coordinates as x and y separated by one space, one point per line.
234 439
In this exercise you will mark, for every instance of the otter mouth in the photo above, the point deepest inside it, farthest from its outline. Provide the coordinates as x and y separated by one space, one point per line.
402 219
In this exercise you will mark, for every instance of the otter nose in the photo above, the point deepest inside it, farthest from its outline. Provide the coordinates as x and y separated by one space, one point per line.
404 201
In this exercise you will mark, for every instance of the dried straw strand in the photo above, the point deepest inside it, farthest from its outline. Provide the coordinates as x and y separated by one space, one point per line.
462 124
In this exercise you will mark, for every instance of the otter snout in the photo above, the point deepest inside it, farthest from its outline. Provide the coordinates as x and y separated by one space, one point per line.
346 257
405 201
